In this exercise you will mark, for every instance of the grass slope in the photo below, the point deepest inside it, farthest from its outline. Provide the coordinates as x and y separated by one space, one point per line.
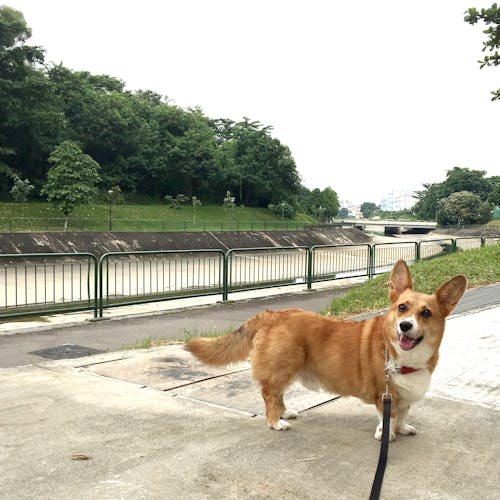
40 216
480 266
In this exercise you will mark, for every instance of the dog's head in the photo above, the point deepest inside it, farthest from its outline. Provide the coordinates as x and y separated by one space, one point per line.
416 318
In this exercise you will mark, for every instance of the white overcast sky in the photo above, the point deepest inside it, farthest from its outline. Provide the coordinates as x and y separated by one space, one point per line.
369 96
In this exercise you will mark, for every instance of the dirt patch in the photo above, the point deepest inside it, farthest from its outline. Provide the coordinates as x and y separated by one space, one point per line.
101 243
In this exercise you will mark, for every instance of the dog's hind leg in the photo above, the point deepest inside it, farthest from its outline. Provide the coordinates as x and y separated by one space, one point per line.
272 399
284 412
401 426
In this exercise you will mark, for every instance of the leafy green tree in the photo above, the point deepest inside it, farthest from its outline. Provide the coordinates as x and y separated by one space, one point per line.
29 119
491 18
465 179
343 213
463 208
368 209
457 179
175 203
262 170
327 199
283 209
142 142
320 214
21 189
494 196
428 201
71 179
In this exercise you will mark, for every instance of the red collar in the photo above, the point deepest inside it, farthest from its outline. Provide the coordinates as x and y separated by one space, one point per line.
407 369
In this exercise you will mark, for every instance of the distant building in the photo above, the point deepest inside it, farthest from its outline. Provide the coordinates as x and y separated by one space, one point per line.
353 209
395 201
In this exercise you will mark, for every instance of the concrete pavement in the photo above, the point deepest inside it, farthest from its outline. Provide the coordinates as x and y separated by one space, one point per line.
156 424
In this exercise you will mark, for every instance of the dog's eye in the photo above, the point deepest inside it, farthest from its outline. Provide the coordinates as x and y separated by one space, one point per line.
426 313
402 308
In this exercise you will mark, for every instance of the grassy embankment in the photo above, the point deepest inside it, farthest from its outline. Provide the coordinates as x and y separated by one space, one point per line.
480 266
40 216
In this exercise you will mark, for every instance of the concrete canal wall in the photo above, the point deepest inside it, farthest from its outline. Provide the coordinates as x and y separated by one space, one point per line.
100 243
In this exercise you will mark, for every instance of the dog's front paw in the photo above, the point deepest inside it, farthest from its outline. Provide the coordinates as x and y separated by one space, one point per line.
281 425
378 433
406 430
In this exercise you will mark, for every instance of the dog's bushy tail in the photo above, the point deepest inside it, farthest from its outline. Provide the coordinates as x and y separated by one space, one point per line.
230 348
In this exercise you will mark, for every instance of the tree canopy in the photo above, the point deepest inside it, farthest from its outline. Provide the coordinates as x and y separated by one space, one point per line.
458 179
143 143
72 178
463 207
491 18
368 208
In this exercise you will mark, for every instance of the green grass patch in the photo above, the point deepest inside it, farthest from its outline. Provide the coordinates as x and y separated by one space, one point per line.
188 334
481 267
42 216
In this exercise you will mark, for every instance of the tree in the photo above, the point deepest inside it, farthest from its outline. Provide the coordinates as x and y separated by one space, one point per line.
141 141
21 189
284 209
463 208
465 179
175 203
368 209
457 179
327 199
491 18
72 178
343 213
494 196
261 170
29 121
196 202
229 203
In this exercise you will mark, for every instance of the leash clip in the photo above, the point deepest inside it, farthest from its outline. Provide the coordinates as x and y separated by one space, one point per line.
387 373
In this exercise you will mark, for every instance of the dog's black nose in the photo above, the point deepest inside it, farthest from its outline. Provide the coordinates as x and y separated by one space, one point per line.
405 326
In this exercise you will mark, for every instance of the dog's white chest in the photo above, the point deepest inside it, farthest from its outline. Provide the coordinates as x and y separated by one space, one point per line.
412 386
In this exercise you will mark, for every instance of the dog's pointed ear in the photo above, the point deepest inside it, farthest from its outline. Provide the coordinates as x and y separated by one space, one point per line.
400 280
450 293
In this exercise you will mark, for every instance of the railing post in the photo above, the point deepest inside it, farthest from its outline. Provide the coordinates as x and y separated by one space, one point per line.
225 276
310 267
96 278
417 255
100 285
371 261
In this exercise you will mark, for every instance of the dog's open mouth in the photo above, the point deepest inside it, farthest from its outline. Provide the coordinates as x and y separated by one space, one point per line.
406 343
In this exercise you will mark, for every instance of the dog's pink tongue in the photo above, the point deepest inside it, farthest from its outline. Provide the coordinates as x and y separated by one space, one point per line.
406 342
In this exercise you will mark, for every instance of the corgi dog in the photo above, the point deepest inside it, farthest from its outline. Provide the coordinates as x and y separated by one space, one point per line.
343 357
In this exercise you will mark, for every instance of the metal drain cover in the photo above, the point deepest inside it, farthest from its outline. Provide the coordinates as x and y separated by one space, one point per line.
66 351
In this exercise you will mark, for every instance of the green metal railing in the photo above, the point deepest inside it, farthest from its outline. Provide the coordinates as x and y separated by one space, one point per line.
47 283
151 276
250 268
330 262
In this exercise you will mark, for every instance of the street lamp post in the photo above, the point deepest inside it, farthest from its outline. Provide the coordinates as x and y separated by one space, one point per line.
110 194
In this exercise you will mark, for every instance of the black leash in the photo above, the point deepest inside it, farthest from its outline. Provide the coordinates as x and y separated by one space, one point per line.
384 444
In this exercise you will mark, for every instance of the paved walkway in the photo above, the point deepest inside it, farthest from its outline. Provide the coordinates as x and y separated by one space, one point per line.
155 424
